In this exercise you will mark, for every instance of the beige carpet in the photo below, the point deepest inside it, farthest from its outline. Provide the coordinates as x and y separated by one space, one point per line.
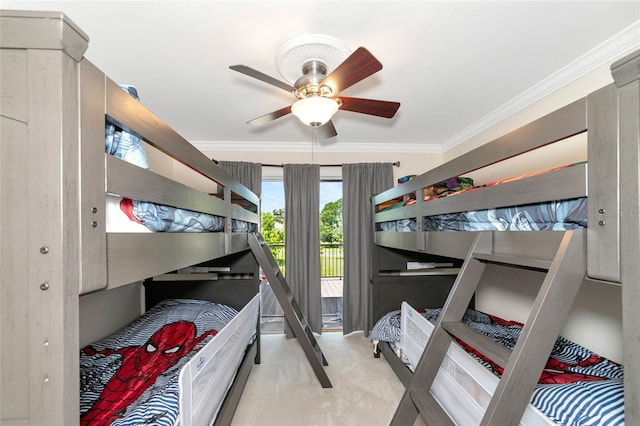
283 390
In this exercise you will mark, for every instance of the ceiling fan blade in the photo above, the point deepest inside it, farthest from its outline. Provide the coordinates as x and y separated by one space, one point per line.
267 118
358 66
385 109
327 130
262 76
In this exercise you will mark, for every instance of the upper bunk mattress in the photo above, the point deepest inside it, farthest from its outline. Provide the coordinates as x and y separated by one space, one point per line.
557 215
127 146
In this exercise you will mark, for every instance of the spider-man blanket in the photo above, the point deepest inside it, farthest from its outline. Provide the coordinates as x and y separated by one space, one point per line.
131 377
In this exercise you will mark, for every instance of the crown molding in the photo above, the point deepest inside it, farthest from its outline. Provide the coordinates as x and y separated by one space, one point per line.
306 146
602 55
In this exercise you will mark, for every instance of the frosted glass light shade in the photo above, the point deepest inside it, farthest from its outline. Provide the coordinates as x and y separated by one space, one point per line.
314 111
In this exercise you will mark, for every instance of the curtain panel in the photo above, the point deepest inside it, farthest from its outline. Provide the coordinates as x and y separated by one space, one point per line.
249 174
302 240
359 183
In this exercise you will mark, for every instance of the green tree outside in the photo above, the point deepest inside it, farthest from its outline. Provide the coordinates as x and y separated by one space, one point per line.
331 222
331 257
272 228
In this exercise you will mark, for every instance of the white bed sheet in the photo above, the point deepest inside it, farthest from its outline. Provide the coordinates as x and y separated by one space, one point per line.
117 220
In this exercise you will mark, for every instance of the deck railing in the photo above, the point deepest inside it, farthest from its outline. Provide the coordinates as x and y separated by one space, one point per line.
331 259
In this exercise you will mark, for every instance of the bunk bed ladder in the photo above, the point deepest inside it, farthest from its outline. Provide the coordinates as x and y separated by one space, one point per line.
523 366
290 307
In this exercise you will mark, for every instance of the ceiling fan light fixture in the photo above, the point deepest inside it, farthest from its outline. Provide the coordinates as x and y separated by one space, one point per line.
314 111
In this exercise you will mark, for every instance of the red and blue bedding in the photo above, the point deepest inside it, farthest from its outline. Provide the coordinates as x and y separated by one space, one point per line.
132 376
577 386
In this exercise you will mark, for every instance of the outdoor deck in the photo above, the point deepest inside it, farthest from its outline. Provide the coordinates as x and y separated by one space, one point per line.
272 320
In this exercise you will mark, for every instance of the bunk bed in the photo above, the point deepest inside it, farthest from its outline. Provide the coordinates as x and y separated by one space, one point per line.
602 246
57 109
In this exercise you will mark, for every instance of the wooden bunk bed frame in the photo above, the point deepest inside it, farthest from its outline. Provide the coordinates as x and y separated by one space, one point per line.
55 248
607 251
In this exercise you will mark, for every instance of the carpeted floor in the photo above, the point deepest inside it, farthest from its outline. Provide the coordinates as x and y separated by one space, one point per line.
284 391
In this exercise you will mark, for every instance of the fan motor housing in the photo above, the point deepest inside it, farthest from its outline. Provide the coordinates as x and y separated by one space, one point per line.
314 72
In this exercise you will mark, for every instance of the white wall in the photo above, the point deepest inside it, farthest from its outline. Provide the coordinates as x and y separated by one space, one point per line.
595 320
573 91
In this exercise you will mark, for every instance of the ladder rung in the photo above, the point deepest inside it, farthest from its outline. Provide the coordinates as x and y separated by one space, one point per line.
430 410
529 262
303 323
489 348
320 356
292 311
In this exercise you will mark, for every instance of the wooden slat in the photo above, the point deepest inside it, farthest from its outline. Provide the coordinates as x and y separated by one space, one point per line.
92 178
518 192
399 367
402 240
560 124
492 350
430 410
131 114
528 262
163 252
405 212
604 198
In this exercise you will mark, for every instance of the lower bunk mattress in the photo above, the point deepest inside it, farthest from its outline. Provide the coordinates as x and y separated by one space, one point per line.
577 387
173 365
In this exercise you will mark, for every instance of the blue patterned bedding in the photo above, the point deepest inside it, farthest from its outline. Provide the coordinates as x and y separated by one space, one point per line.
577 387
548 216
159 218
131 377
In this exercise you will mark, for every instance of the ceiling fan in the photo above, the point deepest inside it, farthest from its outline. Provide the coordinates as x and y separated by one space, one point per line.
318 94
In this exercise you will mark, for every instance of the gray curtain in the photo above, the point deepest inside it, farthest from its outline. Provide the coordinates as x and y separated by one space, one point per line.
359 183
249 174
302 240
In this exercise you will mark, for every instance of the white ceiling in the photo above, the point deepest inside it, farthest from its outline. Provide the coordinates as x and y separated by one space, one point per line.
451 64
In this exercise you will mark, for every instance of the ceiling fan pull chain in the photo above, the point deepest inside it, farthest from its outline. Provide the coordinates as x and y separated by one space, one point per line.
314 130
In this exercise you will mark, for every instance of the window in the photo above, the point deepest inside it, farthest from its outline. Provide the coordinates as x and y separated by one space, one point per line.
331 252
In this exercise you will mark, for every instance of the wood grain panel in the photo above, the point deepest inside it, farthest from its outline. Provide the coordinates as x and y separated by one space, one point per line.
92 178
14 291
162 252
604 203
53 224
13 84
